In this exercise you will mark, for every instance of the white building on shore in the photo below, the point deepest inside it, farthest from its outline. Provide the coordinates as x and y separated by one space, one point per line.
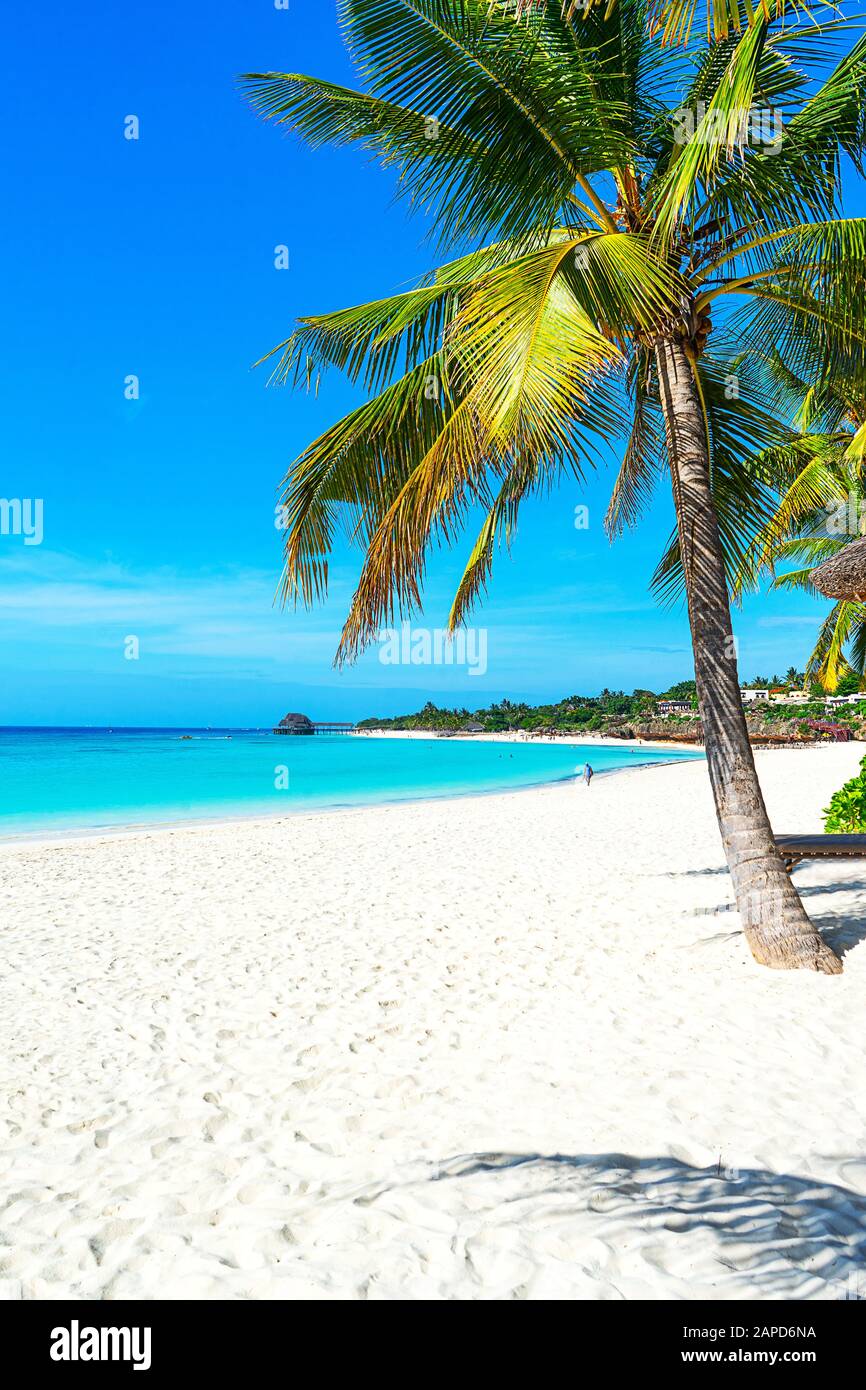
666 707
797 697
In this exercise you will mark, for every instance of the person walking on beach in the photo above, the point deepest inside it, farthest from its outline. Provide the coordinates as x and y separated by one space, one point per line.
587 774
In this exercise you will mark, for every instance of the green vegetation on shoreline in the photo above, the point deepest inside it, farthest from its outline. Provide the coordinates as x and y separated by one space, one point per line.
604 713
574 713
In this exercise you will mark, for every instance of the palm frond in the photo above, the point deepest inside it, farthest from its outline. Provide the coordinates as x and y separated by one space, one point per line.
827 663
675 18
643 457
529 367
709 134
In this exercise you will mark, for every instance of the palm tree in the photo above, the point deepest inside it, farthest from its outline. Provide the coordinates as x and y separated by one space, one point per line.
821 510
613 194
840 645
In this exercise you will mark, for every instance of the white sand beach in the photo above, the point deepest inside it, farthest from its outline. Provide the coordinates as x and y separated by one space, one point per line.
581 739
510 1046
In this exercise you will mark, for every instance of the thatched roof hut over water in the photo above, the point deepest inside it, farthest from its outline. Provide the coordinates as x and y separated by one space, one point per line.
295 724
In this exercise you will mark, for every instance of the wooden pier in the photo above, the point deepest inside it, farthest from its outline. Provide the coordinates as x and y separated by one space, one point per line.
301 724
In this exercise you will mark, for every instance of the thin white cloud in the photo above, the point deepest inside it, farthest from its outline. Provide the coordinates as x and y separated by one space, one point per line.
792 620
229 615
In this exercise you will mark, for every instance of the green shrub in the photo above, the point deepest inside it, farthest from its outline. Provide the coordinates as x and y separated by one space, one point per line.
846 814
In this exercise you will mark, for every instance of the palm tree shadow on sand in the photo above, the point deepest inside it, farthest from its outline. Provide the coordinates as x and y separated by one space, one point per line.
688 1232
841 930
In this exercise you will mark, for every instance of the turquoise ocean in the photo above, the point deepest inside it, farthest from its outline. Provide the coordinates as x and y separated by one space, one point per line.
78 779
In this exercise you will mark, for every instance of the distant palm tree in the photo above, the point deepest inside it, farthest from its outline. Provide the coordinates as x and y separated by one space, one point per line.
616 192
821 509
840 646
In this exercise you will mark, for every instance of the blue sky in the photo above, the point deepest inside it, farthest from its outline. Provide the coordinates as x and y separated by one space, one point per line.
155 258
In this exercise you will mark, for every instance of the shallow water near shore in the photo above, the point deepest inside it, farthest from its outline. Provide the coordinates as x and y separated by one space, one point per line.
75 779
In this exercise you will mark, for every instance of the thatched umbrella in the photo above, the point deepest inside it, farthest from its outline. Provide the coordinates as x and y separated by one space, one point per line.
844 575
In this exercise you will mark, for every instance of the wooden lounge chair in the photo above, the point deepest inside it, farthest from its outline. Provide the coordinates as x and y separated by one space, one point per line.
793 848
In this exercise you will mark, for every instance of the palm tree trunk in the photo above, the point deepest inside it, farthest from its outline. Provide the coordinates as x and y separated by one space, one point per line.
774 920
